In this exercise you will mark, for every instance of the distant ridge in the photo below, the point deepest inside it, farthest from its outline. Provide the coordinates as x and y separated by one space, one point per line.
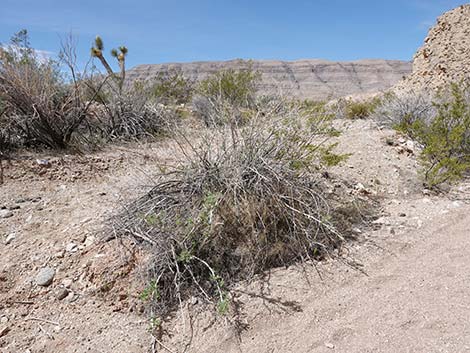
310 78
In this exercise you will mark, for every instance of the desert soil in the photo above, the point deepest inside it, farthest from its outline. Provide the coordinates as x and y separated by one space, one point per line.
410 294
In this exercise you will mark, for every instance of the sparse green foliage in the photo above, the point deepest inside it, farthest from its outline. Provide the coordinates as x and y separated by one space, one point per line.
440 125
360 109
223 305
227 96
446 138
235 87
150 292
171 87
331 159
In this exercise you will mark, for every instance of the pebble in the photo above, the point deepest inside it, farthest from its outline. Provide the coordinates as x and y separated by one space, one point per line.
4 330
62 293
10 238
6 214
60 254
71 247
45 276
89 240
329 345
67 282
382 220
3 320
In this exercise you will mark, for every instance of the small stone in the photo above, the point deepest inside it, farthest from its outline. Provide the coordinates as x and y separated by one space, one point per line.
45 276
71 247
6 214
381 220
3 320
402 215
67 282
43 163
10 238
60 254
329 345
194 300
4 330
71 297
62 293
89 240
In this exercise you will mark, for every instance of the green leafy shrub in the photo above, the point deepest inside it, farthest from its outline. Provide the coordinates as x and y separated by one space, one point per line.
171 87
226 96
360 109
445 138
236 87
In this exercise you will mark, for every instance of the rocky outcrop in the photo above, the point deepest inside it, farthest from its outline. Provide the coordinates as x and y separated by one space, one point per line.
445 55
312 79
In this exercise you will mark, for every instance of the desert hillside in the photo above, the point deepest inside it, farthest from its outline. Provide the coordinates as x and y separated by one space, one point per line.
306 79
445 54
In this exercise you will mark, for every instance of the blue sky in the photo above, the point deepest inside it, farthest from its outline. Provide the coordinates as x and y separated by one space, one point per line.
183 30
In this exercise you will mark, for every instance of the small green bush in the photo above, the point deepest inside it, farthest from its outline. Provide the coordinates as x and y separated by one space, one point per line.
360 109
235 87
227 97
172 87
446 138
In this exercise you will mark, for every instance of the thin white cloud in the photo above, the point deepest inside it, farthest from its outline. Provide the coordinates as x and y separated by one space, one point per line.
42 55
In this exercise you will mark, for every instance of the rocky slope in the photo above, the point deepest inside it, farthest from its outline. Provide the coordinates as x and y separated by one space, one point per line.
313 79
445 55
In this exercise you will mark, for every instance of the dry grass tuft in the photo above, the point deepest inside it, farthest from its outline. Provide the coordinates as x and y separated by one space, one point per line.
245 200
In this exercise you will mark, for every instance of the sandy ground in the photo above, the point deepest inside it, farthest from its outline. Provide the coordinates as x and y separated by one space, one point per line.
411 295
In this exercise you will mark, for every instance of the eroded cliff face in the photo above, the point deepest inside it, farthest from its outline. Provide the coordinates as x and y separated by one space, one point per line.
445 55
305 79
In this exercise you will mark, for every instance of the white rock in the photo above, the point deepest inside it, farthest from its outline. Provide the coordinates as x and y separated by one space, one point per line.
382 220
89 241
5 213
71 247
410 145
10 238
45 276
67 282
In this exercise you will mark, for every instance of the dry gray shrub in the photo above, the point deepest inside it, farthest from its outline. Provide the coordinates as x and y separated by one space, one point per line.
244 200
404 107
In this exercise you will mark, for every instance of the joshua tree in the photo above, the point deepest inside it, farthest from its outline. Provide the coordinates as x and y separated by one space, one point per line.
121 58
119 54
